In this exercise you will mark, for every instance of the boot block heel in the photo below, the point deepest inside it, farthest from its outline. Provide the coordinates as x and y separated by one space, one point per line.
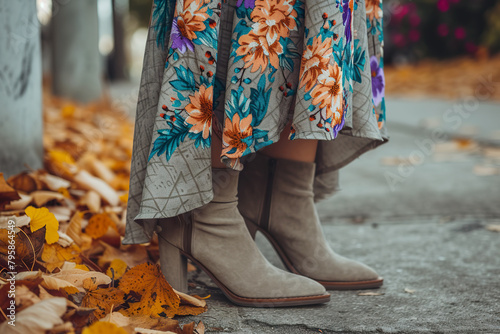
173 265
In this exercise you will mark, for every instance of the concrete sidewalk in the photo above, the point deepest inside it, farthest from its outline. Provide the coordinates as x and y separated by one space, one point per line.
420 224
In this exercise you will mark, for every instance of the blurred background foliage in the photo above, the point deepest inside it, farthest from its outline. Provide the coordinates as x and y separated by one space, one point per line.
441 29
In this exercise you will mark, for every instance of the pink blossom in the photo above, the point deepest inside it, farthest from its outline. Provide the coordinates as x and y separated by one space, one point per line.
414 35
443 5
459 33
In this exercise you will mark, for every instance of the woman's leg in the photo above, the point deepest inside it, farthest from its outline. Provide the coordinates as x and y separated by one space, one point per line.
299 150
216 147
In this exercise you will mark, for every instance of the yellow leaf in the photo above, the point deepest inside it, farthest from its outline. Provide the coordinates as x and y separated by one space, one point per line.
55 255
99 224
157 296
102 327
42 217
124 197
82 267
68 110
119 267
103 300
61 156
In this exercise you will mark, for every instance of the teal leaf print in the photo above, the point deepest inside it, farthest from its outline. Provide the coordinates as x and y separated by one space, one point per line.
170 139
207 36
162 18
359 61
238 104
185 79
259 100
289 54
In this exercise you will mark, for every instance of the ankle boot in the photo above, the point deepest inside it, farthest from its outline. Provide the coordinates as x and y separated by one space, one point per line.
276 198
216 239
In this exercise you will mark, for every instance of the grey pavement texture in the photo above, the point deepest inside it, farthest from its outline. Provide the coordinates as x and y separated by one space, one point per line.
421 224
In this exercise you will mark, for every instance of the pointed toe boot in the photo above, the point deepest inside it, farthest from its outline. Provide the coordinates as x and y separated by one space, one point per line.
216 238
277 199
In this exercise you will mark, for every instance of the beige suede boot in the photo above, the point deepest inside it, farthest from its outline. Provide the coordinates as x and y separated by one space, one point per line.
276 198
215 238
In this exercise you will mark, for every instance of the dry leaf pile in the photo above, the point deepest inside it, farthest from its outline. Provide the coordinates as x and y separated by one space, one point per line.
72 275
453 79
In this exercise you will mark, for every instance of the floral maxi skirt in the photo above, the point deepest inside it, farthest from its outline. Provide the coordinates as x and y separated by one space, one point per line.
244 70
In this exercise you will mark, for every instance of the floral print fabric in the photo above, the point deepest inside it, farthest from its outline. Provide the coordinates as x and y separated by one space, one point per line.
243 70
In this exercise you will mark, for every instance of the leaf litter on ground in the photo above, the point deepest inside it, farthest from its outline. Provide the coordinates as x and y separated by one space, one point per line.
67 221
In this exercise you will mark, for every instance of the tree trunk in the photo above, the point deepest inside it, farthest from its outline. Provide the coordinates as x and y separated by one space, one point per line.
76 63
20 87
117 60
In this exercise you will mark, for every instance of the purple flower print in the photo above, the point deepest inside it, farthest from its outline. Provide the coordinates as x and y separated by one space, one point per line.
378 81
179 41
346 18
248 3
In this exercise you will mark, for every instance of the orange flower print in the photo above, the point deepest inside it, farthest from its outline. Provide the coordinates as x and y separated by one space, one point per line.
200 111
190 17
328 92
274 19
234 133
257 52
315 59
373 9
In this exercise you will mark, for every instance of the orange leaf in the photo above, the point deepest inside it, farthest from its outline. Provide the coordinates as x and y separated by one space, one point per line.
157 296
54 255
7 193
99 224
103 300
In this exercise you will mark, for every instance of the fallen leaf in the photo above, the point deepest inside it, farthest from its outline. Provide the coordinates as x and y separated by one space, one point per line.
38 318
19 204
102 299
74 229
91 200
28 247
55 255
493 227
117 318
486 170
7 193
25 297
157 296
55 283
139 330
43 218
78 276
410 291
18 221
99 225
64 239
41 197
116 269
90 182
132 255
102 327
370 294
187 299
53 182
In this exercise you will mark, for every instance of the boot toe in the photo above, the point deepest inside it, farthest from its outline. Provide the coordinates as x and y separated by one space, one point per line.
301 286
